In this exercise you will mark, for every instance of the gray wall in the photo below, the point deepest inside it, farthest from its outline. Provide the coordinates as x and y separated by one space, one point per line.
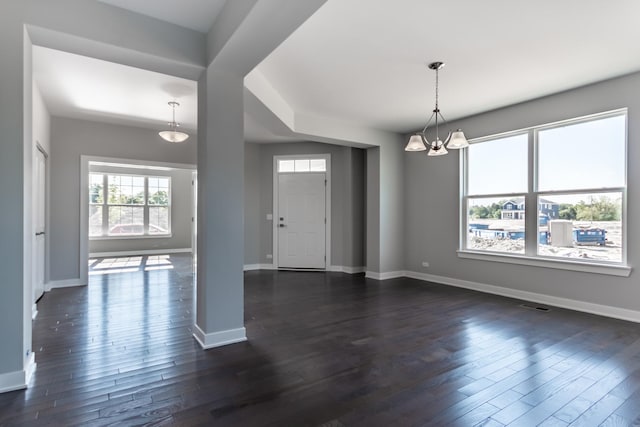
353 253
71 138
391 193
252 198
181 212
432 201
373 209
347 199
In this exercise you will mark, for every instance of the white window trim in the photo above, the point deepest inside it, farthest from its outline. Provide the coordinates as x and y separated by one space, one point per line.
327 173
555 263
105 209
530 258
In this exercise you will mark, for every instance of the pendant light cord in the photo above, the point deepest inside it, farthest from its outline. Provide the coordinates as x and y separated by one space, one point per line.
437 110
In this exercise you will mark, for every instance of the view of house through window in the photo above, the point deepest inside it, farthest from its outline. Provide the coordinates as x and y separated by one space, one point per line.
129 205
578 191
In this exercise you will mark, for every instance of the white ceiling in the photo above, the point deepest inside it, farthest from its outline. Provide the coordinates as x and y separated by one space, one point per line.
87 88
364 61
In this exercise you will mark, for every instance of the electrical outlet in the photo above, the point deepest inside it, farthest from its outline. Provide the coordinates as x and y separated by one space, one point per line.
269 217
269 256
425 264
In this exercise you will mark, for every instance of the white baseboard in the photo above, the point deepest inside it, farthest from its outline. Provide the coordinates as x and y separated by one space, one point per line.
220 338
384 276
57 284
253 267
346 269
334 268
18 380
586 307
30 368
140 252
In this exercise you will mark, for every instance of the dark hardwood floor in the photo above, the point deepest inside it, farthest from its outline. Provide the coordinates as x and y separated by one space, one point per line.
329 350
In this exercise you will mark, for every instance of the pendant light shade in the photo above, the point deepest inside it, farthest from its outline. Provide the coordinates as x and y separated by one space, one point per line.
437 148
415 143
458 140
173 134
455 140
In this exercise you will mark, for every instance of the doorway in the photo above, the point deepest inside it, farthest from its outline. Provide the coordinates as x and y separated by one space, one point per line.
168 230
301 217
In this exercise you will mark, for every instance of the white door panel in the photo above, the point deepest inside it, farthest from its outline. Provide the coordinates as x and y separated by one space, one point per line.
301 220
39 218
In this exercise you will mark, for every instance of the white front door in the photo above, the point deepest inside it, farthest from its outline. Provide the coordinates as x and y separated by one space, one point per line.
301 220
39 215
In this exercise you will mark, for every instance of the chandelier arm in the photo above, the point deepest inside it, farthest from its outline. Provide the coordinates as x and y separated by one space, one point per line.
442 123
428 122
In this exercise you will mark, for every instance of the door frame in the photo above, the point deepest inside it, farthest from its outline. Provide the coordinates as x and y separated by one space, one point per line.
327 205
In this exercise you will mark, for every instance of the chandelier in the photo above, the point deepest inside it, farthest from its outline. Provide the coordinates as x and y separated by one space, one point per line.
173 134
419 142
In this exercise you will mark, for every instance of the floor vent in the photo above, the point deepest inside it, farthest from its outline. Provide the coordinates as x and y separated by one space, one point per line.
535 307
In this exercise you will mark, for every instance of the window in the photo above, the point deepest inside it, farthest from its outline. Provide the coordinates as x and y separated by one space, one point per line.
551 192
129 205
302 165
496 194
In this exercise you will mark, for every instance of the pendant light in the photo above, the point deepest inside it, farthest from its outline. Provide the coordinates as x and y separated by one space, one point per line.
419 142
173 134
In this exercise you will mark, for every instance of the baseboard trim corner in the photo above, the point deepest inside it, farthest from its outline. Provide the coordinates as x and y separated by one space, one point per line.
220 338
18 380
346 269
585 307
385 275
58 284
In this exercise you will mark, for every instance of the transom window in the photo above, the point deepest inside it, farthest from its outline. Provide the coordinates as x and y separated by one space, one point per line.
556 191
302 165
129 205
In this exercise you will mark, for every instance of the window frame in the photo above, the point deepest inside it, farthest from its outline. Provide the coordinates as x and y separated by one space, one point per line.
145 206
531 200
300 158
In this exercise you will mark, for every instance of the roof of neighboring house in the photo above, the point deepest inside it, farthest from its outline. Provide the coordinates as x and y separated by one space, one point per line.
520 200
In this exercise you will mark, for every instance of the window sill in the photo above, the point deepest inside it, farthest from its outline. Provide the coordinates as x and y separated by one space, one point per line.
160 236
560 264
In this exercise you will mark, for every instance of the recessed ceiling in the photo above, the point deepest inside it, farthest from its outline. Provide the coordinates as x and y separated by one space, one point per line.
197 15
87 88
365 61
